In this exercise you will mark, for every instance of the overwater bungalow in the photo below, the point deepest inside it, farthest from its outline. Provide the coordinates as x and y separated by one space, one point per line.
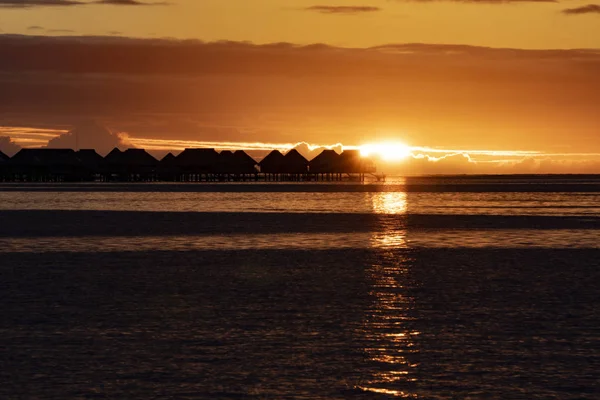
90 164
294 163
192 165
327 162
352 162
198 164
44 165
3 163
271 165
244 163
168 169
89 158
131 165
226 162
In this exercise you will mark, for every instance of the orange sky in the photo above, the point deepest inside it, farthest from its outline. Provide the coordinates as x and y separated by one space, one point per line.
519 24
487 76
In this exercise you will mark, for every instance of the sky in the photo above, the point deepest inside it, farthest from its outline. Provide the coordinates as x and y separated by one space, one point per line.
472 86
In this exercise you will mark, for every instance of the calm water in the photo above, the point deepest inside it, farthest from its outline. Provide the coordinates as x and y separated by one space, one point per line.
432 289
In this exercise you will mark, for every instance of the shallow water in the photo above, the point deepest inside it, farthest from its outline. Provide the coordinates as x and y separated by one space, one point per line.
299 295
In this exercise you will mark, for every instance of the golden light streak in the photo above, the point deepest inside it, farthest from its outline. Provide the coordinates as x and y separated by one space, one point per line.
386 151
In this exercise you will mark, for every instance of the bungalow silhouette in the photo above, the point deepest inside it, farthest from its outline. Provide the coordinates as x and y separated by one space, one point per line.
352 162
191 165
327 162
198 164
294 163
45 165
244 164
3 169
272 163
236 165
90 164
226 162
130 165
290 166
168 169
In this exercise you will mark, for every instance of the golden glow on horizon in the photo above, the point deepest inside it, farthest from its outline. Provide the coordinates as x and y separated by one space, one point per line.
392 151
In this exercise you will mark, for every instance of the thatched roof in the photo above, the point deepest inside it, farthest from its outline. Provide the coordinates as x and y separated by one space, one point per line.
199 160
236 163
294 162
242 158
139 157
353 162
3 157
89 158
328 161
45 157
114 157
243 162
272 163
226 156
168 160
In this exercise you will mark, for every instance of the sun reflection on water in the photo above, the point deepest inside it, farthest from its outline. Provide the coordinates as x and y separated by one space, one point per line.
390 203
390 340
389 235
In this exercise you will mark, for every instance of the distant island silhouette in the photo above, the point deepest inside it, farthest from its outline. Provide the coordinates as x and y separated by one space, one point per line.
191 165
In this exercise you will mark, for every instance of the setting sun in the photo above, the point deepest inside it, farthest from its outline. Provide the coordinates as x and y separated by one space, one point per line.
387 151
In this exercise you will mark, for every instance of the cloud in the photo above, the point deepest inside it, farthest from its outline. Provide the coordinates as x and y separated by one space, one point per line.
345 10
310 151
131 3
588 9
41 28
90 135
482 1
38 3
60 31
65 3
8 147
463 163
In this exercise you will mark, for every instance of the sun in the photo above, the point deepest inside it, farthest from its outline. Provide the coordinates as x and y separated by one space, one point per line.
387 151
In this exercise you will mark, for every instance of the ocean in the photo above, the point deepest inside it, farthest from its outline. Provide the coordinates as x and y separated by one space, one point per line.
426 288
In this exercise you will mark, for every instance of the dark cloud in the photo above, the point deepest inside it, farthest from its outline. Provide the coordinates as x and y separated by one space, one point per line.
64 3
442 95
343 9
38 3
131 3
8 147
588 9
482 1
90 135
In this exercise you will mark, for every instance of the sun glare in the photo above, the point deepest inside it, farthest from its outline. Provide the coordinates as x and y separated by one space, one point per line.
387 151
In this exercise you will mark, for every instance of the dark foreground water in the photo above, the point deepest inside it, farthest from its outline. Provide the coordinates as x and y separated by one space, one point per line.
388 294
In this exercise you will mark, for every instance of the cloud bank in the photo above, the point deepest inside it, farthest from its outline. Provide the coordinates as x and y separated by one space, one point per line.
68 3
344 10
169 91
589 9
90 135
